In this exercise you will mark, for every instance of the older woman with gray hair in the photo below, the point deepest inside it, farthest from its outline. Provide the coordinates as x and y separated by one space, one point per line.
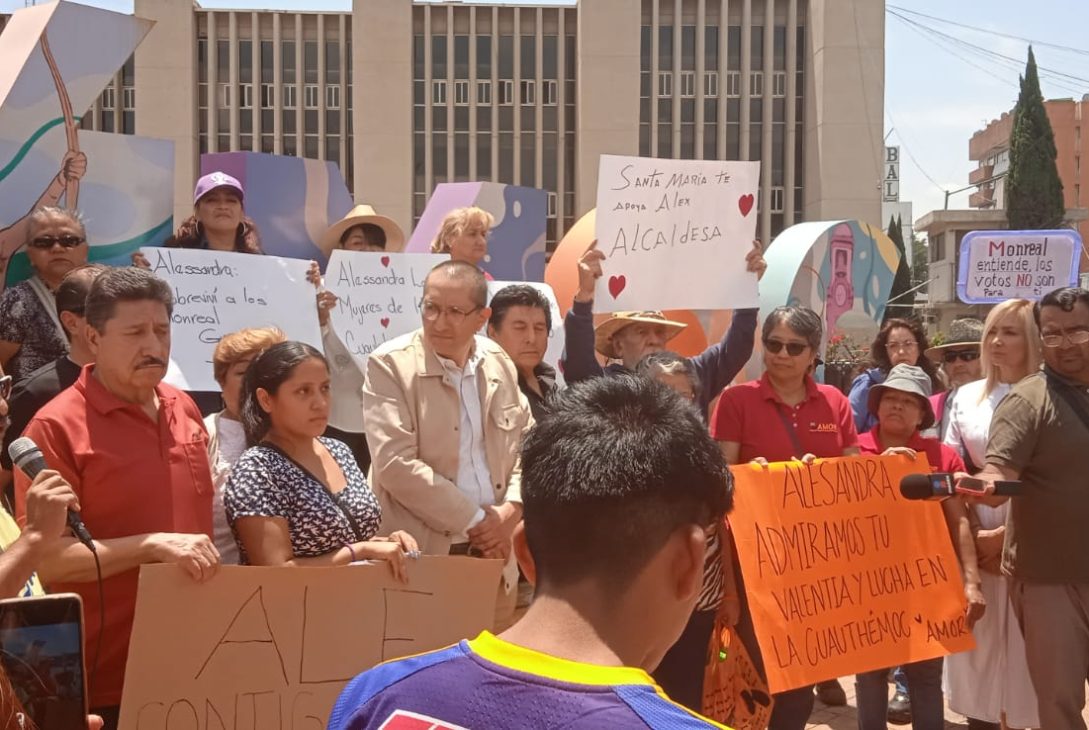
784 415
31 334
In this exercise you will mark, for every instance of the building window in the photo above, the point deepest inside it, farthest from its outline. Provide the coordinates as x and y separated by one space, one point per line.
461 93
710 84
332 97
688 83
776 200
438 92
665 83
506 92
756 83
551 205
245 92
268 95
224 96
779 84
529 92
484 92
289 96
550 93
311 97
733 83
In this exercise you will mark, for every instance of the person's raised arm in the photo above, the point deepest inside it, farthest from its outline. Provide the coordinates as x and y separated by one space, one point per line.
719 364
48 501
579 362
394 445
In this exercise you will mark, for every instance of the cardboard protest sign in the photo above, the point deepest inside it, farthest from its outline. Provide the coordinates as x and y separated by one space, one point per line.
842 574
273 647
1000 265
219 292
554 353
379 296
675 233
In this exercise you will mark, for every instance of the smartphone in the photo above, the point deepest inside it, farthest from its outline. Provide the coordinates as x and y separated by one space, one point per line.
971 485
41 657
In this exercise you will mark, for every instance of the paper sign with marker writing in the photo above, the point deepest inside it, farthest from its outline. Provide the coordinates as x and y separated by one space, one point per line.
379 296
1000 265
843 575
218 292
554 352
675 233
273 647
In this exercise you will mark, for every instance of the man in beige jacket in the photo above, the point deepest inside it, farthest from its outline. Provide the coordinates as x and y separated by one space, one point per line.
444 422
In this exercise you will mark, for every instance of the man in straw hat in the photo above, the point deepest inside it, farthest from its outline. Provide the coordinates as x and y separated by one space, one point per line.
629 336
958 357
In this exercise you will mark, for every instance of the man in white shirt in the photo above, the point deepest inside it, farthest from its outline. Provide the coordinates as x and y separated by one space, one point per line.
444 422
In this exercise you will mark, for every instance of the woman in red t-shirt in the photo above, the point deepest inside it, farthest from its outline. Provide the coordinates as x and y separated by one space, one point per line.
902 408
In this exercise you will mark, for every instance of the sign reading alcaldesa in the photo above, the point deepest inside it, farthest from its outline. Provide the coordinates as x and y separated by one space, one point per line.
1000 265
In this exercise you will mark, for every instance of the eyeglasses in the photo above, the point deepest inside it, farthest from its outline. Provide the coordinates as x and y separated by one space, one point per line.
456 315
1075 338
906 346
5 387
46 242
776 346
962 355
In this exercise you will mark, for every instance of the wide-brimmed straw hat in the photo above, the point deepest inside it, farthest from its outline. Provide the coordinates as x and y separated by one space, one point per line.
963 332
357 216
907 379
603 333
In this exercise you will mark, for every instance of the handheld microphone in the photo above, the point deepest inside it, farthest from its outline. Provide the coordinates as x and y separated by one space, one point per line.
939 486
26 455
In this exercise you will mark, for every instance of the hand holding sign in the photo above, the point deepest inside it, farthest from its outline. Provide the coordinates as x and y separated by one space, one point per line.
669 241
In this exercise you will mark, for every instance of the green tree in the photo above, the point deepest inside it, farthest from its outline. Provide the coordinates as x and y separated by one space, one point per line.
1034 192
901 298
920 262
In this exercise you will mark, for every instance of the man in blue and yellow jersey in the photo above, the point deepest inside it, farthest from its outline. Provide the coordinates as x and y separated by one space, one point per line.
620 483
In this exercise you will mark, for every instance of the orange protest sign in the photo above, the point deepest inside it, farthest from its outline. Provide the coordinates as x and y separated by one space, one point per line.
842 574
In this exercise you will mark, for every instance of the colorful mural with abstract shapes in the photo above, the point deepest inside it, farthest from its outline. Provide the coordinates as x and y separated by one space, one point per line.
843 270
516 245
292 200
55 60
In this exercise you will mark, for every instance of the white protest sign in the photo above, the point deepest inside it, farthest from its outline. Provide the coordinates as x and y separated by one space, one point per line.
378 296
554 353
219 292
1000 265
675 233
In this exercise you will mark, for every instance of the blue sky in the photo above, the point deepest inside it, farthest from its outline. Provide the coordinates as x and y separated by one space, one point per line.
934 98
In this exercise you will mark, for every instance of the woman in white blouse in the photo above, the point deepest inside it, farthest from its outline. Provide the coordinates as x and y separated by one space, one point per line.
991 685
226 437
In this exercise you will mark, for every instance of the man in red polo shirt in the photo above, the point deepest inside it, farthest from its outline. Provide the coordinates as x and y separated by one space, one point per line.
135 451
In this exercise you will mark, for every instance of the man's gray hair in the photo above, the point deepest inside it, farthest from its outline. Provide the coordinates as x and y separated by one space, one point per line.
803 321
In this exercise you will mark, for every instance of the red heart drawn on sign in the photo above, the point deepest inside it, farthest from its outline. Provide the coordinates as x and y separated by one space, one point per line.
617 284
384 321
385 261
744 204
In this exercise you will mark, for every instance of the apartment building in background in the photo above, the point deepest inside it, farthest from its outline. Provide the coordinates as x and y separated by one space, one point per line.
404 95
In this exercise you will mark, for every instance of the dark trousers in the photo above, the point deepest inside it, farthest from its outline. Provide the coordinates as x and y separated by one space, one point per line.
982 725
924 681
793 707
112 716
681 672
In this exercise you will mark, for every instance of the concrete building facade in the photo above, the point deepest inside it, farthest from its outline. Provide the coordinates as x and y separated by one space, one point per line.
523 94
990 149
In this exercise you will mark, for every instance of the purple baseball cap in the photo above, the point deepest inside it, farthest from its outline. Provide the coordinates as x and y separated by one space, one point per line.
214 180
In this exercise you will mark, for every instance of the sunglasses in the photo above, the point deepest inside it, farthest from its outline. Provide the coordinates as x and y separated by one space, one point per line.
5 387
962 355
47 242
776 346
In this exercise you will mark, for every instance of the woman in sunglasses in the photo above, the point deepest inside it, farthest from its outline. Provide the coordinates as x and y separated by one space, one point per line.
31 334
783 416
990 684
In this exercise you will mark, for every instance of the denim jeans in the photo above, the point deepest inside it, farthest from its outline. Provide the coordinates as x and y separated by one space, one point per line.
924 681
900 679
